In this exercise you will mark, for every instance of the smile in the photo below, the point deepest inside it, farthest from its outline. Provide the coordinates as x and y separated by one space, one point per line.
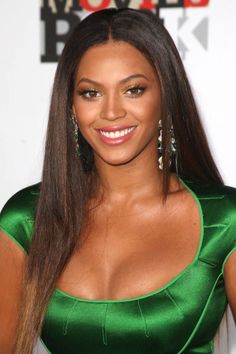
116 137
117 133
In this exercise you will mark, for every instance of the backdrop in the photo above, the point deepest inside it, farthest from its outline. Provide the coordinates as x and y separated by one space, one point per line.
32 36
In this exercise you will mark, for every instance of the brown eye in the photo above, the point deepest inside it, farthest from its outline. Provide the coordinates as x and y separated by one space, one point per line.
88 93
136 90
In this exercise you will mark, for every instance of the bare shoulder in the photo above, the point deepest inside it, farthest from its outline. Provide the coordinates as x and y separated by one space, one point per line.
12 259
230 281
12 262
16 223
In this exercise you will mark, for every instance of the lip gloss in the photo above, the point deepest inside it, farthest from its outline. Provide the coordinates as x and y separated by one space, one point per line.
118 140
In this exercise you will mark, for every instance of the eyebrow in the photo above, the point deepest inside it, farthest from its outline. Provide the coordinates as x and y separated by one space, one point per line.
134 76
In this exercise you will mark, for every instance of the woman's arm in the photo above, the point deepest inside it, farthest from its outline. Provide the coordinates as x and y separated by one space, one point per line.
230 282
12 260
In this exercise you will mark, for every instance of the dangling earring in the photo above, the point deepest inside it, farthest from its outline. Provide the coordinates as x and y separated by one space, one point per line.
172 140
76 132
160 146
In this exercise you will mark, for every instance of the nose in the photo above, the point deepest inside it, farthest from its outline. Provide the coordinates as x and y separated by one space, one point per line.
112 107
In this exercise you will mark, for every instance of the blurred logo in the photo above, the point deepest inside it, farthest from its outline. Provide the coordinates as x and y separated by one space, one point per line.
186 20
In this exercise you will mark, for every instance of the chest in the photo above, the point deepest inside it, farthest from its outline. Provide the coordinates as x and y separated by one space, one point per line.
128 253
180 318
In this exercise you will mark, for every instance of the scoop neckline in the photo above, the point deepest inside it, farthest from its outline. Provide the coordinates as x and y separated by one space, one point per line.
169 283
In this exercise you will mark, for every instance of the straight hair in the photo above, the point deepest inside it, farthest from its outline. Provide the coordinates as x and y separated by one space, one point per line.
69 181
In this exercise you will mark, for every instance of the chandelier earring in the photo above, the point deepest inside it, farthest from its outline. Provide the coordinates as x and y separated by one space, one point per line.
160 145
76 132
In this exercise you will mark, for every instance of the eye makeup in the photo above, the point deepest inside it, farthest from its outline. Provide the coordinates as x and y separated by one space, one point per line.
132 91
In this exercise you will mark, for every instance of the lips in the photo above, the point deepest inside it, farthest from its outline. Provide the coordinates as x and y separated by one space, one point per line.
113 135
114 128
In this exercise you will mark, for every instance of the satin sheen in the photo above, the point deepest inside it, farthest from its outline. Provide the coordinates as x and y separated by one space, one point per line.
181 317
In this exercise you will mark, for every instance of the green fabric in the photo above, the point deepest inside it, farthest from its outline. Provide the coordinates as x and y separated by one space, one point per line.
181 317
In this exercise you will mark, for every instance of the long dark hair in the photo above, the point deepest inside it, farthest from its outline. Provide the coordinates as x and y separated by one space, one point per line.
68 182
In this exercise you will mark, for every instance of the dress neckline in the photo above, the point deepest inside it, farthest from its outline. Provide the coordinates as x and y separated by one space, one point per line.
169 283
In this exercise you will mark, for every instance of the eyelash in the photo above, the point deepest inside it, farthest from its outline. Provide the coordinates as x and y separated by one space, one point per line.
84 92
137 87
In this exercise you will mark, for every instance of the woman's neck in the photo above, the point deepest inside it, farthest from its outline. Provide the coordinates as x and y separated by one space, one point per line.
136 179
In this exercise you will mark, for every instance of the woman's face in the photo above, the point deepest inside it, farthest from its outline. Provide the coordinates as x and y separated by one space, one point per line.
117 102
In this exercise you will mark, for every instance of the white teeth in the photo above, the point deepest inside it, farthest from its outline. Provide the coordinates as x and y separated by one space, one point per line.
117 133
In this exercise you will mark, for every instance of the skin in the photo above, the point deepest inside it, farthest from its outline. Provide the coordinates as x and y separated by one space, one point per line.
133 233
131 223
115 104
230 283
111 102
12 261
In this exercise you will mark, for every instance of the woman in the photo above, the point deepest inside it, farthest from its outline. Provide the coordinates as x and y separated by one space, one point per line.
131 235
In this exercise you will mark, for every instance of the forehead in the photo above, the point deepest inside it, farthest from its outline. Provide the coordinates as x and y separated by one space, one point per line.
114 59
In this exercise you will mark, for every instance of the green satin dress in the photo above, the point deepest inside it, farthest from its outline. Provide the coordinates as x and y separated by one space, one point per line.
181 317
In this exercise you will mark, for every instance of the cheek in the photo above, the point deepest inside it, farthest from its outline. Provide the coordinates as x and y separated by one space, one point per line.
153 109
147 111
85 113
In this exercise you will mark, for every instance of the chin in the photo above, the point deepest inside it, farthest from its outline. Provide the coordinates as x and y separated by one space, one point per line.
116 158
119 161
